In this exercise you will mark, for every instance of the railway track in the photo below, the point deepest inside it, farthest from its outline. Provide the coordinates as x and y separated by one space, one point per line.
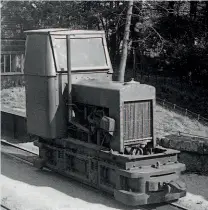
28 157
18 152
3 142
178 206
4 207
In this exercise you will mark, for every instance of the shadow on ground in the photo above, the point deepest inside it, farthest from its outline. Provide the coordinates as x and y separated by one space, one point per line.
22 172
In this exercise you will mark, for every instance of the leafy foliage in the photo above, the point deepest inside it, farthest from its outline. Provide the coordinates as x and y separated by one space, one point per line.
168 37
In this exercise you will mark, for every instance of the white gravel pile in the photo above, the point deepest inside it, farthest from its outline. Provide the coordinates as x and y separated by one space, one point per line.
14 98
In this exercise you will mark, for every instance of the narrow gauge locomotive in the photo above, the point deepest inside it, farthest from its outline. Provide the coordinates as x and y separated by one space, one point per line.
98 131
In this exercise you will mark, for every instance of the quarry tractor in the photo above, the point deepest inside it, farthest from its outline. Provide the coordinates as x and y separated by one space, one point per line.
93 129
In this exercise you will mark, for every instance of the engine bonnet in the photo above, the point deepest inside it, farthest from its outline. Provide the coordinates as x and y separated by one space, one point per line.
100 93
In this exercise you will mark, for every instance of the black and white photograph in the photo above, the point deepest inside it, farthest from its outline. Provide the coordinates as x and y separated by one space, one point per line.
104 105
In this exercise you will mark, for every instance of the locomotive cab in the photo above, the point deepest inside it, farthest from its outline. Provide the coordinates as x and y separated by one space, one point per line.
46 74
96 130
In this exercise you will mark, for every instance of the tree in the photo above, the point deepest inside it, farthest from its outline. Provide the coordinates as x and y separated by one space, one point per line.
169 34
193 9
124 55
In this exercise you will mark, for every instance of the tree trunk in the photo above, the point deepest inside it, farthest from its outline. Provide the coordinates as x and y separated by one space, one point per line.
171 8
124 55
206 15
134 35
192 12
193 9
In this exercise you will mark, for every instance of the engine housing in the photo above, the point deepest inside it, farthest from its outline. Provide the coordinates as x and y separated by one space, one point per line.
130 104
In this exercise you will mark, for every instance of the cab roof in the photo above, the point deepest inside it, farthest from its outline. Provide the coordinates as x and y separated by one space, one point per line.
62 31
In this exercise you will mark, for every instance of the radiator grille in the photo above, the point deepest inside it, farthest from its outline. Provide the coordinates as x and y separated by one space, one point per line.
137 124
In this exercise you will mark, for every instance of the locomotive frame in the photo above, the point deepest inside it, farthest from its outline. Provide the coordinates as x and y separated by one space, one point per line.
132 180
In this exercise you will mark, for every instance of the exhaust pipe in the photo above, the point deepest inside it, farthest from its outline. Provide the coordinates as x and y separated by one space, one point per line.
69 78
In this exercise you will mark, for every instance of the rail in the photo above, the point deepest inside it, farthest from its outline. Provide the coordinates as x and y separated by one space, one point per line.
21 156
4 207
3 142
178 206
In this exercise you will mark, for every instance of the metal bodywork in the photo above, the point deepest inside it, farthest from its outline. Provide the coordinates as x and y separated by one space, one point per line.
95 130
132 180
120 99
46 82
